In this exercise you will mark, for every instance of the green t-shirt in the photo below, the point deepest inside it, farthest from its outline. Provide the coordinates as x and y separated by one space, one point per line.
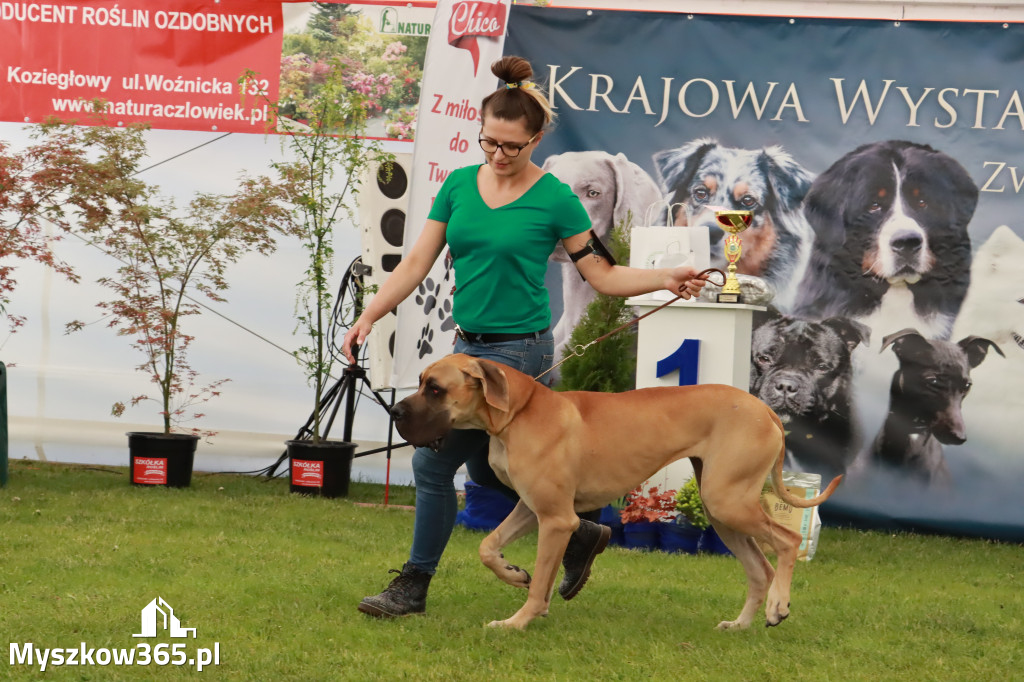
500 254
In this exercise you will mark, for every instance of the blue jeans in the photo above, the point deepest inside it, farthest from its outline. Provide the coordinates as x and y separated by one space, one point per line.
434 472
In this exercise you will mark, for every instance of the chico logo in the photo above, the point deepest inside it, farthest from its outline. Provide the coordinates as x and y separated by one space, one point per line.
471 21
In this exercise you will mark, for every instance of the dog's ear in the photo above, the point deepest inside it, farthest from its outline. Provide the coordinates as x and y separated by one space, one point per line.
761 318
550 161
788 180
853 333
677 167
905 342
976 348
493 382
952 181
635 191
830 194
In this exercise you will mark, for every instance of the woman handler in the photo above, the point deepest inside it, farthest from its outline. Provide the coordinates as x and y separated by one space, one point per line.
500 220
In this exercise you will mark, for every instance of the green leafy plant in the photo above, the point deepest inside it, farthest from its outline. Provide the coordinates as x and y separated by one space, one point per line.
609 366
165 256
654 506
322 185
690 506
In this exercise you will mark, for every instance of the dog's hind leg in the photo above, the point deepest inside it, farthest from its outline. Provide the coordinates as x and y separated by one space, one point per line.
733 504
757 567
786 543
517 524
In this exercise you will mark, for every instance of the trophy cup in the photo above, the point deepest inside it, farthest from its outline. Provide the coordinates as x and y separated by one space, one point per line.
732 222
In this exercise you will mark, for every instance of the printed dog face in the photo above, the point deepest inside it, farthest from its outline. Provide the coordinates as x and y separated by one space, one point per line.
609 187
933 379
803 371
890 214
703 175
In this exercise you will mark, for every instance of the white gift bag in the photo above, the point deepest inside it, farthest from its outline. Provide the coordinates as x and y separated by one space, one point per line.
659 246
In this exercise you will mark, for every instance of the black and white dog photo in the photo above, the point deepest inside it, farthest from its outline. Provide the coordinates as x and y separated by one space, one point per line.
890 239
803 370
610 188
925 400
702 175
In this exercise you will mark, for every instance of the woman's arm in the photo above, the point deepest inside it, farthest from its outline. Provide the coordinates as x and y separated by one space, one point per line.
618 280
406 276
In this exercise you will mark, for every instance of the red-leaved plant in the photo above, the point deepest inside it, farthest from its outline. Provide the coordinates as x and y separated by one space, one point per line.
31 190
654 506
164 258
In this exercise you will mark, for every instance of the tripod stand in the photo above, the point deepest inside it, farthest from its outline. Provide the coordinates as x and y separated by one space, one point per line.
345 390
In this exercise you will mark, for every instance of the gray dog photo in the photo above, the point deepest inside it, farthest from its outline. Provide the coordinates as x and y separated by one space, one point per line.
612 190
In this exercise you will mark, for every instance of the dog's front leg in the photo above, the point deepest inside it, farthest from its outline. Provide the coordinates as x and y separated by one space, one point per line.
517 524
551 543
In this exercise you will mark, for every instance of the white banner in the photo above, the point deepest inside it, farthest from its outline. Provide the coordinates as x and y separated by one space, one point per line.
466 37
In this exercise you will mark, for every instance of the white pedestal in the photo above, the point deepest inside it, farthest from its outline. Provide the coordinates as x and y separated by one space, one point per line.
723 330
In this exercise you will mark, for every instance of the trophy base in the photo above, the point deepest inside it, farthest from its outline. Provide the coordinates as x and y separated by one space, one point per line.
730 298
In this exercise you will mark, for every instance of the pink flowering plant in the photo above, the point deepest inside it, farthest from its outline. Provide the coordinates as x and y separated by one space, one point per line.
401 124
385 72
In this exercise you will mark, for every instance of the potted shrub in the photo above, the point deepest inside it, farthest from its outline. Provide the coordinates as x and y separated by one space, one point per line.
322 183
690 522
165 259
609 366
643 515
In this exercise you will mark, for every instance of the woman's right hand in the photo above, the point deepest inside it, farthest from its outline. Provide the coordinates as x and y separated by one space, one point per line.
356 334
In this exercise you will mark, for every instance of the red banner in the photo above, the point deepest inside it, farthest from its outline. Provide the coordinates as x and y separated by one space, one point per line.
173 64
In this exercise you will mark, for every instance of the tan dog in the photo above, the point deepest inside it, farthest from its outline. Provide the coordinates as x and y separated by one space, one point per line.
577 451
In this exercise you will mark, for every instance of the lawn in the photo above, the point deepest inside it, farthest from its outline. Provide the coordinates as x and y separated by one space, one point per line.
270 581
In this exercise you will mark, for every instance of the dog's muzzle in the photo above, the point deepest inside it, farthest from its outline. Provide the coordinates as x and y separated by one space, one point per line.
418 429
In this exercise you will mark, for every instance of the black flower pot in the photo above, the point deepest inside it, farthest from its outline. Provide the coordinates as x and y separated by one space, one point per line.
322 468
163 459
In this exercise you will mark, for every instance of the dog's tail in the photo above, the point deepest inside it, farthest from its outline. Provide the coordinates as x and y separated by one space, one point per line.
777 484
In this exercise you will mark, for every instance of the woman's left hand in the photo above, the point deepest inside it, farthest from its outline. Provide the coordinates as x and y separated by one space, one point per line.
684 281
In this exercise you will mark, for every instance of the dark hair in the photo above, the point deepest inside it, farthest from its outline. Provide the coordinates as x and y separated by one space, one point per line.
518 96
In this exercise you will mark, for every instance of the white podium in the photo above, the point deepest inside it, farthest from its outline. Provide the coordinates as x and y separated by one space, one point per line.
723 330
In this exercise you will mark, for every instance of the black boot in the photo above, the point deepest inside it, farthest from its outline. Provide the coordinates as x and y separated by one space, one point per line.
586 543
406 595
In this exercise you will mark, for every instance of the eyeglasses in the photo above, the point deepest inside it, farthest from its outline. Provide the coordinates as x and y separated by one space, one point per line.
507 148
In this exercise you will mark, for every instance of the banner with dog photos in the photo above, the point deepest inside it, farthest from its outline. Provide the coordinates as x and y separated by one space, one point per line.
884 165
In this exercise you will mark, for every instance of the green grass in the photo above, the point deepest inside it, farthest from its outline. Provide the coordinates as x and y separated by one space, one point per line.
274 578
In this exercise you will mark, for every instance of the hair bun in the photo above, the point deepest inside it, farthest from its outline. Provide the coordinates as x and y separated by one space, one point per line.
512 69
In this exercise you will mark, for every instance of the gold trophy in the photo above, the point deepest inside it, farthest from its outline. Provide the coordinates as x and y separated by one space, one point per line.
732 222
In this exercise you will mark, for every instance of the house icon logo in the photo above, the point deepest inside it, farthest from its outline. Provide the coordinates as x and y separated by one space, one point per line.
159 612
